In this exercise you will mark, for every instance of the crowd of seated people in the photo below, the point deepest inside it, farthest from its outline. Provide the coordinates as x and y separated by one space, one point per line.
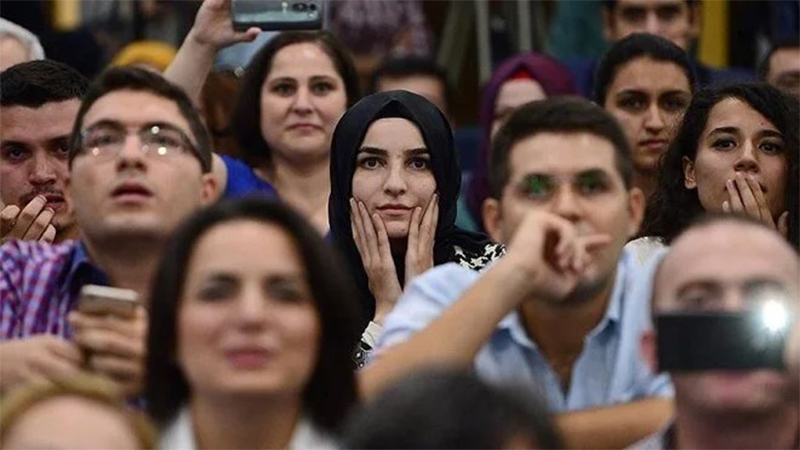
331 280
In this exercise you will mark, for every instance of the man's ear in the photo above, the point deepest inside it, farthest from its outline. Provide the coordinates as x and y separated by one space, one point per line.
609 26
689 180
492 219
648 348
636 208
209 192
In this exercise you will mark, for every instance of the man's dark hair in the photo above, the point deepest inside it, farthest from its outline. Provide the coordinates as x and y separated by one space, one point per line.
638 45
672 207
331 391
409 66
32 84
246 121
789 42
447 408
556 115
135 79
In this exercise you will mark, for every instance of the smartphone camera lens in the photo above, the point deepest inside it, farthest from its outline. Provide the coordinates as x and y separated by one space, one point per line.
299 7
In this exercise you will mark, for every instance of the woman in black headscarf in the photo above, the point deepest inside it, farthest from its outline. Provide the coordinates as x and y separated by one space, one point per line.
395 180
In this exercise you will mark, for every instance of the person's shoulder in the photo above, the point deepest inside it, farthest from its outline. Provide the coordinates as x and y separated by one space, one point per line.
35 252
243 181
445 278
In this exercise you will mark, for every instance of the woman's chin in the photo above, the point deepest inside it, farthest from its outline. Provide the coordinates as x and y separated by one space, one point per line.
397 230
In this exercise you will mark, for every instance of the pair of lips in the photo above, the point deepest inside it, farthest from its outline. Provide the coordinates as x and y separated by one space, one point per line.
658 144
131 188
303 125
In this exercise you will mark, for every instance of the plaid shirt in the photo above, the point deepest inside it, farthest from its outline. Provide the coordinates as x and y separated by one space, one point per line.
39 286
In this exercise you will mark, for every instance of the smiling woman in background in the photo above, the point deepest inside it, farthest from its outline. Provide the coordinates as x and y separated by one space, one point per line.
251 331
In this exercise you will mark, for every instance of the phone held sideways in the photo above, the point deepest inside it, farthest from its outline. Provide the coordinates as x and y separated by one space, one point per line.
278 15
105 300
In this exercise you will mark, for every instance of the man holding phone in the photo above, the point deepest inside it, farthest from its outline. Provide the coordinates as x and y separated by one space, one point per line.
139 164
740 397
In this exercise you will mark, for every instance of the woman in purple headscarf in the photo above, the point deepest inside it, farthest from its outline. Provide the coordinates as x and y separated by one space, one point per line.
521 79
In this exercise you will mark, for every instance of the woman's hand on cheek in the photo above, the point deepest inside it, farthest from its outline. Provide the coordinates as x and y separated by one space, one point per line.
372 241
746 197
421 237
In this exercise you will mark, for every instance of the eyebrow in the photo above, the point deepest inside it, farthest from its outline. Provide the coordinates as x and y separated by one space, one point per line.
733 130
381 152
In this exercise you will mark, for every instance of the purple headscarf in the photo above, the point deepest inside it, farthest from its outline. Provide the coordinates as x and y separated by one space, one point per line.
555 79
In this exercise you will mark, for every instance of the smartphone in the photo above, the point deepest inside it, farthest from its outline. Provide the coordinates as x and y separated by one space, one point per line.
278 15
720 341
105 300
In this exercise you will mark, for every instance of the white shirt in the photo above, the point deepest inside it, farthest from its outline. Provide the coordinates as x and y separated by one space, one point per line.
179 435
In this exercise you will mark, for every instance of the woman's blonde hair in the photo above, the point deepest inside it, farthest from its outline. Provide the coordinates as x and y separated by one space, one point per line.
87 387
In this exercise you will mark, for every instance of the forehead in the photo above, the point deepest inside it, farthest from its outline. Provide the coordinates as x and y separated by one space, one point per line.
648 4
720 253
562 154
303 60
136 108
785 60
734 113
515 93
427 86
393 133
648 75
49 121
244 245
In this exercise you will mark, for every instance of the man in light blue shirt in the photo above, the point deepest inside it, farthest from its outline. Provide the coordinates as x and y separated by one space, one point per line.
565 309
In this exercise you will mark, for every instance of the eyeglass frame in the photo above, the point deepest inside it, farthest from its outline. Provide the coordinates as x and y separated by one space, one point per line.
186 144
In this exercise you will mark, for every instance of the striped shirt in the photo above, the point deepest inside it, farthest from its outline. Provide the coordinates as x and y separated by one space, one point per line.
39 286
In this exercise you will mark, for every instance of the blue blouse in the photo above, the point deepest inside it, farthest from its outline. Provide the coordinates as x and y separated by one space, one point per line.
243 181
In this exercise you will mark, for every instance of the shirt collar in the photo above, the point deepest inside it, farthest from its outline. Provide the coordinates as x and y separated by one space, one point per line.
513 324
82 271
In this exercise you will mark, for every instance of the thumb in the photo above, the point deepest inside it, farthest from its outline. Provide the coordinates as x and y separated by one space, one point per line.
783 224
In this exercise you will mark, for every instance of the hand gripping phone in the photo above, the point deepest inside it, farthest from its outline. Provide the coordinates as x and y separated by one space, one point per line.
105 300
278 15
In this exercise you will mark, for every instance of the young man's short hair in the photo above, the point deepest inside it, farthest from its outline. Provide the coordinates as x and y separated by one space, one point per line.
135 79
32 84
556 115
409 66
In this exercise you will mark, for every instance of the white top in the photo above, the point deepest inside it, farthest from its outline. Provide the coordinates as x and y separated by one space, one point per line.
179 435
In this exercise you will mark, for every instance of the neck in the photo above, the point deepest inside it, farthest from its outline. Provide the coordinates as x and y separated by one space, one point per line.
646 181
245 423
560 329
128 263
305 188
67 233
777 429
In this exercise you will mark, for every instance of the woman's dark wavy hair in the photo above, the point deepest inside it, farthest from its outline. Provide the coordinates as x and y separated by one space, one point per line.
332 390
247 113
672 207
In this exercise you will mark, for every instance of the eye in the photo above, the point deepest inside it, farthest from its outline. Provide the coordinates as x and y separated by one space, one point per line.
674 104
370 162
592 184
537 187
103 138
62 148
633 104
723 144
283 89
668 13
285 290
217 290
322 88
420 163
15 153
771 148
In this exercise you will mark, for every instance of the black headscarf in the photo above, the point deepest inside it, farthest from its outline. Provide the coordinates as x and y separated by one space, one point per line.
438 137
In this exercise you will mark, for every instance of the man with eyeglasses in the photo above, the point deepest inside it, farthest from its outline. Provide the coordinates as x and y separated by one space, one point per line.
561 313
711 289
139 164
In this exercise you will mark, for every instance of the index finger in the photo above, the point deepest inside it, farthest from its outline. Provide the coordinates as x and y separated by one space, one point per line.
761 200
27 217
7 218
